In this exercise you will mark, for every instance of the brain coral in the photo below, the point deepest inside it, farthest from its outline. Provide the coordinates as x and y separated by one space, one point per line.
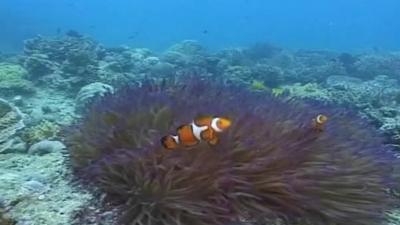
270 166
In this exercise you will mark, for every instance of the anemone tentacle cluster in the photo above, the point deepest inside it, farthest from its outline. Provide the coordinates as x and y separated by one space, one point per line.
270 165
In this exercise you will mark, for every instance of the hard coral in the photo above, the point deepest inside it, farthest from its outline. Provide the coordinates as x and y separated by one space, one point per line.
12 80
11 121
44 130
271 165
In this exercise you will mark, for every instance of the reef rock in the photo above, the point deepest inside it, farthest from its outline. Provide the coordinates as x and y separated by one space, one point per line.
40 65
186 53
46 146
91 91
71 59
11 120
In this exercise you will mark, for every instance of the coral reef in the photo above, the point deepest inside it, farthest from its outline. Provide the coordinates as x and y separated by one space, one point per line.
64 61
45 147
44 130
13 80
11 120
38 189
186 53
92 91
271 165
58 78
370 65
49 105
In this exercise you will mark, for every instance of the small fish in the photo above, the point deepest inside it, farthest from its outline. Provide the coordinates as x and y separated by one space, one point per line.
318 123
201 129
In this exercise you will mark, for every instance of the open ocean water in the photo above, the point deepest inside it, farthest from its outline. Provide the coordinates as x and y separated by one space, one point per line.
213 112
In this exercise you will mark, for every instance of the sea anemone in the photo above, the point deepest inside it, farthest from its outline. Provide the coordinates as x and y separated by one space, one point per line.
271 165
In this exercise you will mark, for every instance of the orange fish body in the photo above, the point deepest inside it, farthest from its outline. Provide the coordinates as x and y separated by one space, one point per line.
201 129
319 122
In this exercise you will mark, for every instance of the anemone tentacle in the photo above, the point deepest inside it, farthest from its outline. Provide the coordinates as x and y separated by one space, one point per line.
270 165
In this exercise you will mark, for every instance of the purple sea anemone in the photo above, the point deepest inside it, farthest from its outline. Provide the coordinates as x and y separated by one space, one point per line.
271 165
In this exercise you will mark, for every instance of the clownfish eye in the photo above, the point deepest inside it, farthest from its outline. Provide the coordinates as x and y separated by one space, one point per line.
322 118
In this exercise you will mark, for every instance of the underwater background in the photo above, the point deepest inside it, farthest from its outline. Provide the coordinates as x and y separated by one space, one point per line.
340 25
91 90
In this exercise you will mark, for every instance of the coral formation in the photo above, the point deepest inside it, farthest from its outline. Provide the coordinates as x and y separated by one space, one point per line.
13 80
43 130
91 91
11 120
65 61
272 165
45 147
38 189
57 68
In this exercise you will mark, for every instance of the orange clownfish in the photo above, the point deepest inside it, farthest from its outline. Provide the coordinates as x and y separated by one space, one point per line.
201 129
319 122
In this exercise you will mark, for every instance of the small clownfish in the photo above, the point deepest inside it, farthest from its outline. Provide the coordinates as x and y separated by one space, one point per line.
201 129
319 122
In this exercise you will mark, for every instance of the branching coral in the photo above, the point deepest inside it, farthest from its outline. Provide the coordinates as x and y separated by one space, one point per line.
271 165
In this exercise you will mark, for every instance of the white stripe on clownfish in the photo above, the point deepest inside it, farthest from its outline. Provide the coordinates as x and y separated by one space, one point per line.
200 129
197 130
214 125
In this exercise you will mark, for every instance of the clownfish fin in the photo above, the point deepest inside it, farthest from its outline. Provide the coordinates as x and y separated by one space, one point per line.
186 135
207 135
203 121
169 142
213 141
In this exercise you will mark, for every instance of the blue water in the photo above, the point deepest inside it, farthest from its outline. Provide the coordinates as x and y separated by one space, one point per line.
156 24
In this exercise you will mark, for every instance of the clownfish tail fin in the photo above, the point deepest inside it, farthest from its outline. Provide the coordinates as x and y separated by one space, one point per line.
168 142
164 141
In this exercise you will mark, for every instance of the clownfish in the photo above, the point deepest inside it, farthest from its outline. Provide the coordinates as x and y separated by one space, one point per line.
318 123
201 129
